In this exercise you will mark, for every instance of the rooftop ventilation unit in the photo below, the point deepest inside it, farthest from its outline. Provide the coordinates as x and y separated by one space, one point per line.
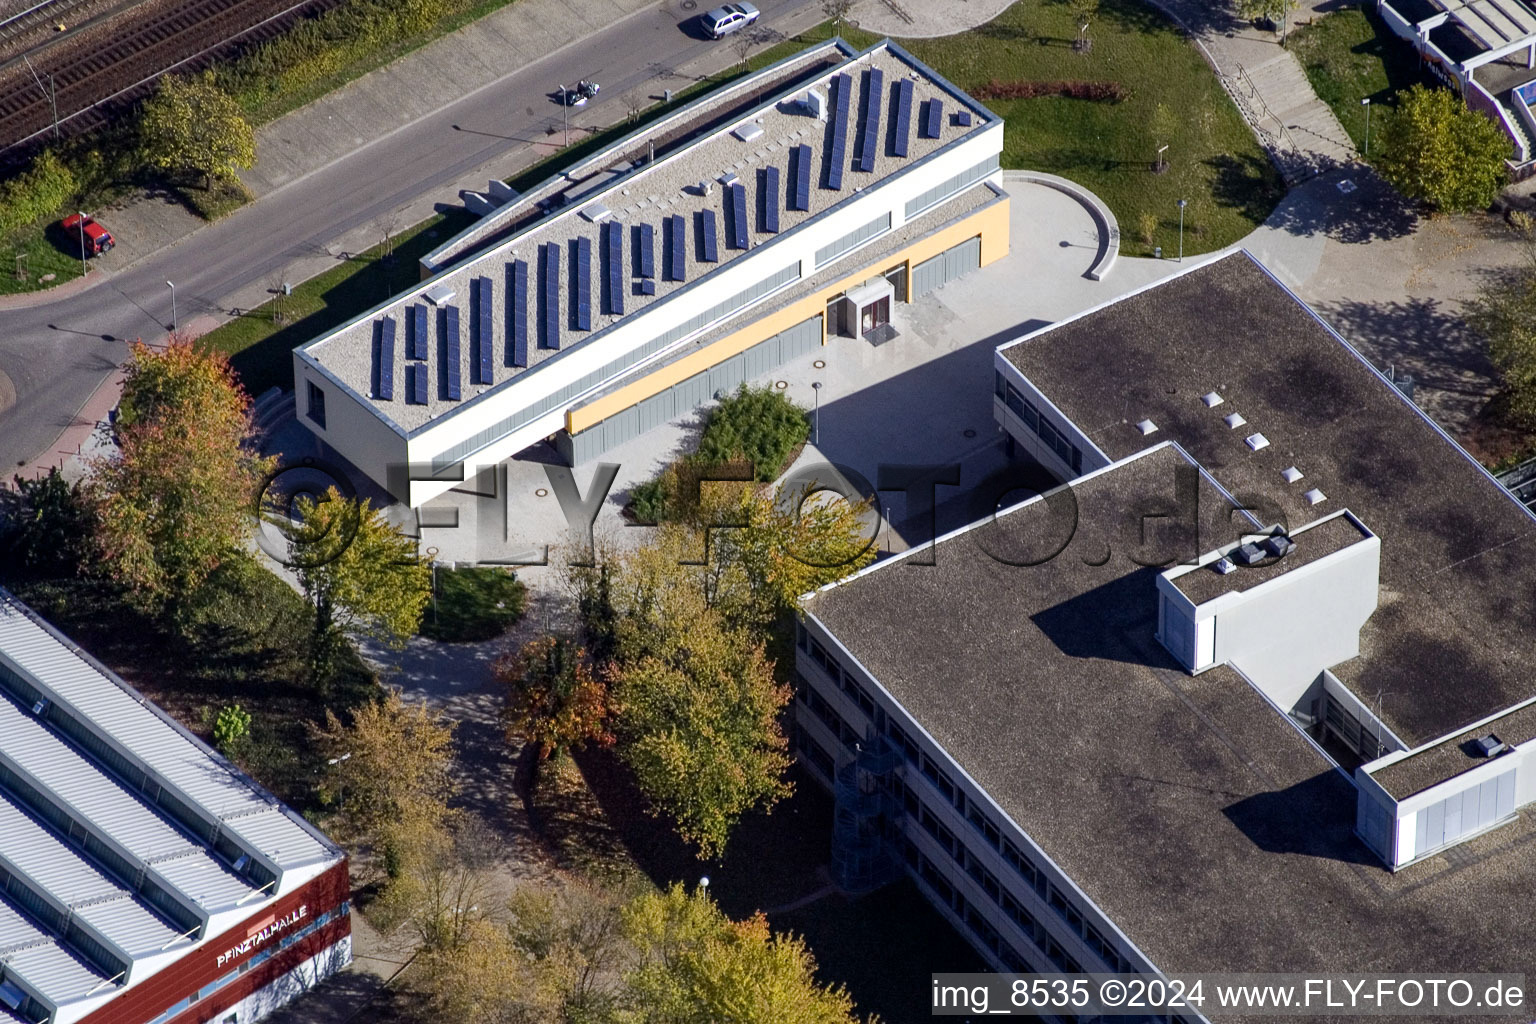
1211 399
1233 420
1146 427
1488 746
1315 497
748 131
1279 545
1249 554
1223 566
1256 441
439 295
728 179
1291 474
596 213
816 103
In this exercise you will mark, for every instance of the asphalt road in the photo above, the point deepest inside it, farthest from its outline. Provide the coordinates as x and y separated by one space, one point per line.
57 354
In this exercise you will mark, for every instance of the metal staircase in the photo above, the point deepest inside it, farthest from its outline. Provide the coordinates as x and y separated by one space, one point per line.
864 811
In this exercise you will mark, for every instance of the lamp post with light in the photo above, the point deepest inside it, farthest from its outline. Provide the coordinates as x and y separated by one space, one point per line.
172 287
1182 203
1366 103
816 416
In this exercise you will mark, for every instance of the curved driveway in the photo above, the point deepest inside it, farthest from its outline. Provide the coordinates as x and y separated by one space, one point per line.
58 353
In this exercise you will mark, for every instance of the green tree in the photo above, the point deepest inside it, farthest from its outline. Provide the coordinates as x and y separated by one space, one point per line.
1436 150
390 773
1276 12
1504 313
192 124
361 575
231 728
698 965
40 191
175 499
47 526
699 719
551 696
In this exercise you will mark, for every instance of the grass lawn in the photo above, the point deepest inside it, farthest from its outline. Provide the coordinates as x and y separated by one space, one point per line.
1214 160
1350 55
241 640
260 342
473 604
42 253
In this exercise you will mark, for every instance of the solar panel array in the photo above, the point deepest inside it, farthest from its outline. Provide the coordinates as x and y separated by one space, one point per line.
645 251
417 347
517 313
709 246
800 181
869 136
452 358
934 118
613 267
768 189
416 383
901 130
837 152
736 197
384 360
677 245
485 338
581 284
549 289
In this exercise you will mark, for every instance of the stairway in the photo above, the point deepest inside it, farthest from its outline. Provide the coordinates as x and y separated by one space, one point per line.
1300 131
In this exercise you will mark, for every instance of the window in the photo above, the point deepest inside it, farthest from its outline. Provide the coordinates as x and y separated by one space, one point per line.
1032 418
860 695
802 638
316 404
944 189
852 240
1024 866
904 742
981 823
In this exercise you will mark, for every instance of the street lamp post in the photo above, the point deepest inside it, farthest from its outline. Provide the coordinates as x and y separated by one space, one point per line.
565 117
172 287
816 418
1182 203
1366 103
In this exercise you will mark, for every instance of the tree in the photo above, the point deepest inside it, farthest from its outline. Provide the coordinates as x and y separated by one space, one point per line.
440 882
231 728
390 773
38 192
837 10
192 124
1083 13
1276 12
698 965
175 499
47 526
551 696
1504 313
361 575
1163 125
699 720
1436 150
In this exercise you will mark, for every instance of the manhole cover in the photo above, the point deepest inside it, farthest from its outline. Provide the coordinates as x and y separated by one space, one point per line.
689 5
541 493
820 364
781 384
969 432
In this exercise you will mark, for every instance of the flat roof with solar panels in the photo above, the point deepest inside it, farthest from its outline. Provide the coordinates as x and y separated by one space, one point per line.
127 847
654 233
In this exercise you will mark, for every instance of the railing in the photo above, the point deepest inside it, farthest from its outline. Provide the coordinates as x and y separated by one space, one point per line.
1479 98
1253 94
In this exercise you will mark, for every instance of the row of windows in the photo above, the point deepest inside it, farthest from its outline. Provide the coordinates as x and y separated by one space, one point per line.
1054 439
255 961
522 417
852 240
846 734
843 678
944 189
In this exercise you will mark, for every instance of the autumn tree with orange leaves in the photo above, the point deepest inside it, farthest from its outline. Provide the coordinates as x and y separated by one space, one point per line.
552 697
176 498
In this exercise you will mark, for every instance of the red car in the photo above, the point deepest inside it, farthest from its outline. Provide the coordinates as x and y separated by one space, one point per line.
96 239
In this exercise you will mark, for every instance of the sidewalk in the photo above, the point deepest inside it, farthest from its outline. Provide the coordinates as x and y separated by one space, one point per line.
1266 81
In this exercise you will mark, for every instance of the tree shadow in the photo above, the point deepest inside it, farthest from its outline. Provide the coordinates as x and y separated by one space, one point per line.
1371 211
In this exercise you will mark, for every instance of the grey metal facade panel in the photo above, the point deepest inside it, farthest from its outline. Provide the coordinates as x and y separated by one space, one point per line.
928 275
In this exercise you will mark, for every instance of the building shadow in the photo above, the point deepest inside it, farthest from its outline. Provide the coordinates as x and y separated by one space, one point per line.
1313 818
1372 211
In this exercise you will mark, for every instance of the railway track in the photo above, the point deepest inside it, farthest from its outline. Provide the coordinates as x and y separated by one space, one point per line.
100 74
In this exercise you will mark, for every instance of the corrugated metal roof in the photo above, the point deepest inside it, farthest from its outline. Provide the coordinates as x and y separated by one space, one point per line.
271 831
34 956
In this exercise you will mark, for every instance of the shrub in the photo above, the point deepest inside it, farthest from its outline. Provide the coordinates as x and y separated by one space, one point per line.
756 424
474 603
1098 92
37 193
231 728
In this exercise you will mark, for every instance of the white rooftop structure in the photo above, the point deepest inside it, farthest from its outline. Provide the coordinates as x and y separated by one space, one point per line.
124 840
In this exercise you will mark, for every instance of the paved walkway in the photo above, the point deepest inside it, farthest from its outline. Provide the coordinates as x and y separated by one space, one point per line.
1265 80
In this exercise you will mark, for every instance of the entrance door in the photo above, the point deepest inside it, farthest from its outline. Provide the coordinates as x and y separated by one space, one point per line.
874 315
